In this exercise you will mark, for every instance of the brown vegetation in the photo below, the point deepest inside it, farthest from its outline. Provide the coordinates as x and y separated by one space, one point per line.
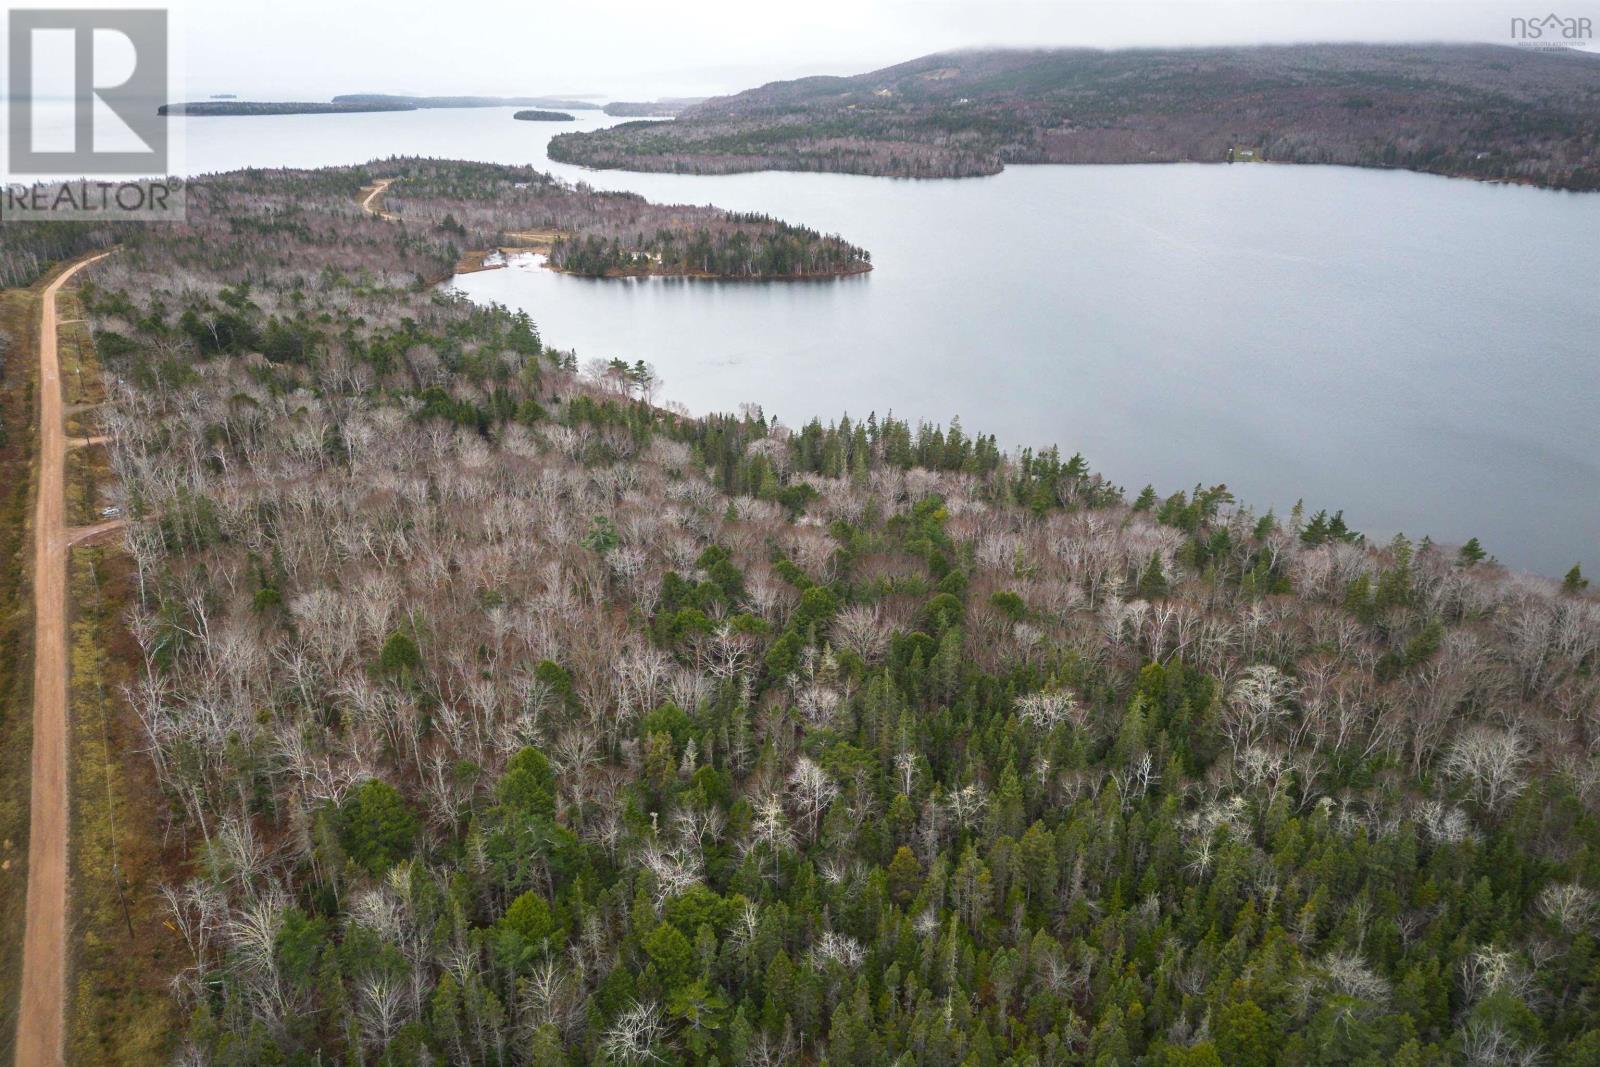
19 315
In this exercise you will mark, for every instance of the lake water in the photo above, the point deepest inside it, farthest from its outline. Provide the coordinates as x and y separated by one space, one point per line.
1418 351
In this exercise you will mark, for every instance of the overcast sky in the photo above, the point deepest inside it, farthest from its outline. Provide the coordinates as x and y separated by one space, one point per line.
311 49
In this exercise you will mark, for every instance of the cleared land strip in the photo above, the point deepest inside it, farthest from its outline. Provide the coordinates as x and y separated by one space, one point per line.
44 948
369 202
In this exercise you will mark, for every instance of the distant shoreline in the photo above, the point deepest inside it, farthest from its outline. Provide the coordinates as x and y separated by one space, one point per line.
361 103
1487 112
252 108
730 167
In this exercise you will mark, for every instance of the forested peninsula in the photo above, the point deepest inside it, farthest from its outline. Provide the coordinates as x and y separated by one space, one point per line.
650 108
1479 111
606 234
453 214
506 715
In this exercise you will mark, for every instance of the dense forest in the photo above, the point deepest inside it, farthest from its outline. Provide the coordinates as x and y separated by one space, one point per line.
535 115
752 247
1480 111
511 718
27 252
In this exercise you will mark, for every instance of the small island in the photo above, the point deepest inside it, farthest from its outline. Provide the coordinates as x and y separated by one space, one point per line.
535 115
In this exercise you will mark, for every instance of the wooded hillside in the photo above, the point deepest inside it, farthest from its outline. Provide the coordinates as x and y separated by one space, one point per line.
1480 111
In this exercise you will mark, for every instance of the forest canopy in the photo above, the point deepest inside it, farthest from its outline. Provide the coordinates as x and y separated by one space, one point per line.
511 716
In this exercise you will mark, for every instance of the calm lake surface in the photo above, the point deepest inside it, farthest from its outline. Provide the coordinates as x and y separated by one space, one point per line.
1418 351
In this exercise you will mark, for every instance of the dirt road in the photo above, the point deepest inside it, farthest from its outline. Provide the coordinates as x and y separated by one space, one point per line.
369 202
83 535
44 949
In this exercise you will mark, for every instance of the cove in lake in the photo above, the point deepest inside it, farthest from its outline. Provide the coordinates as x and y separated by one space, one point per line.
1418 351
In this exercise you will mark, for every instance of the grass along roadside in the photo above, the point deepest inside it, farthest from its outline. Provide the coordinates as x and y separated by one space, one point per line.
120 1009
19 321
82 393
119 1005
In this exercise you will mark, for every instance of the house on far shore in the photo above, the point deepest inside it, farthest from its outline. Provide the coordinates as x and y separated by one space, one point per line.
1245 154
